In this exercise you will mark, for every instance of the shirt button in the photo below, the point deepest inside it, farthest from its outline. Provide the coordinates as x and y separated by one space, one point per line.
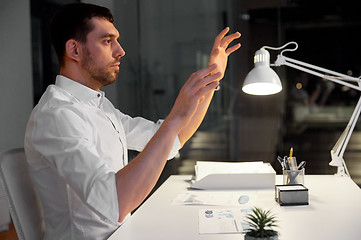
98 95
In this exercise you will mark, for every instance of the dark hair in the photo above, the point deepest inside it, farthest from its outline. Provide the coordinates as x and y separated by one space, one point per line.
72 22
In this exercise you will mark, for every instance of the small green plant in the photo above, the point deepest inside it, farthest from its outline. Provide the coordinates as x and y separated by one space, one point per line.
261 223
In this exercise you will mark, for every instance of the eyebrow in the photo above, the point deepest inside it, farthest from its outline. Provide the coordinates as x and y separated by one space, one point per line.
110 35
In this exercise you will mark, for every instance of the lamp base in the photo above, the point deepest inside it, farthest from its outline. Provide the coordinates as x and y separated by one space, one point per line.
341 172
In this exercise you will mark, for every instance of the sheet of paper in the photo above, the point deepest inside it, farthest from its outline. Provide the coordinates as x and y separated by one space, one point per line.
205 168
222 220
290 187
216 198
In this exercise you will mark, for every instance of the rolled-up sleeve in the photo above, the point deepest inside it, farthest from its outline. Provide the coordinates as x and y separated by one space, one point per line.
139 131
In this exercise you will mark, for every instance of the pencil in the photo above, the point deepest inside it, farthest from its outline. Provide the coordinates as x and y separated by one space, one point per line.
291 152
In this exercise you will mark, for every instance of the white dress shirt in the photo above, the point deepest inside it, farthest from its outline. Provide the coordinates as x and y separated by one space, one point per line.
75 142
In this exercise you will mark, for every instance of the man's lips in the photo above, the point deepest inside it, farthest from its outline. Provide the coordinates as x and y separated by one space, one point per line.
115 65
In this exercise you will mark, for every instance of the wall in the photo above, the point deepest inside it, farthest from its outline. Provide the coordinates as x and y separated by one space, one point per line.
16 98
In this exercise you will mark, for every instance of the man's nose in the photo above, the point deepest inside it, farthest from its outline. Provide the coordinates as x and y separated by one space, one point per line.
118 51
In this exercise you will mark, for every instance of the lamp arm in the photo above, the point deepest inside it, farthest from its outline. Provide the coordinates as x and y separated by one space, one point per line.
338 150
318 71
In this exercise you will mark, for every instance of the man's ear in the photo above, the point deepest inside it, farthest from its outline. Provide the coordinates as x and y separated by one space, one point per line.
72 49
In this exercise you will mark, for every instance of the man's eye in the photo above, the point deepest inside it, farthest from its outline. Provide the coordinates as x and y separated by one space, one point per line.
108 41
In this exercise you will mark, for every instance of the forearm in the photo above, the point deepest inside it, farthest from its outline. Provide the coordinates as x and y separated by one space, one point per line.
135 181
187 132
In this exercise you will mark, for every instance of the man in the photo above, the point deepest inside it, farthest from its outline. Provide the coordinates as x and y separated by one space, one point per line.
76 141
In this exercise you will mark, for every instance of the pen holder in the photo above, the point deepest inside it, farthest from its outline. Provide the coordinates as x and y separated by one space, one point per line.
293 176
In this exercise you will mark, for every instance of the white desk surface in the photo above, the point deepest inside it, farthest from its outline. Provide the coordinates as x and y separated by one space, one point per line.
334 212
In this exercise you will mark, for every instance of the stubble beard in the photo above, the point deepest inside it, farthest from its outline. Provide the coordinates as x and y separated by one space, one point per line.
100 74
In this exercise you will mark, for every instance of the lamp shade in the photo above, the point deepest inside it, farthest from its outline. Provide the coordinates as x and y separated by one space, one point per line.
262 80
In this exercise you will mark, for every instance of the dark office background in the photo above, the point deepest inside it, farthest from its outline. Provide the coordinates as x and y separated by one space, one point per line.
166 40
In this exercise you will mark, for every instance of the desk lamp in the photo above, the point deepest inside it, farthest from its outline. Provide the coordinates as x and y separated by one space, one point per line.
262 80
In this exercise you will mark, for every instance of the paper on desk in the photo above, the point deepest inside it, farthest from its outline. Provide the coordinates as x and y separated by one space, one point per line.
290 187
233 175
222 220
216 198
205 168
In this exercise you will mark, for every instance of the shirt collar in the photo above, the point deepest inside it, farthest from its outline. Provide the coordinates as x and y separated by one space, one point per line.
79 91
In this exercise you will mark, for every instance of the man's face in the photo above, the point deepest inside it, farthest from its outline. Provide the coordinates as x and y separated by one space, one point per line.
102 53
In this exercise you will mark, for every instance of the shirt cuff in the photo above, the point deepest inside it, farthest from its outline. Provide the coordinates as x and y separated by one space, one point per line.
176 145
104 191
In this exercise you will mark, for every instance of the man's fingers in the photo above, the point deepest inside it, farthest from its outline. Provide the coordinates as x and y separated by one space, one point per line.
227 40
212 78
200 77
233 48
206 71
209 87
221 35
207 80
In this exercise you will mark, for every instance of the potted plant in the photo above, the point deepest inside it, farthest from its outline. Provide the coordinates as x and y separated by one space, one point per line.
261 225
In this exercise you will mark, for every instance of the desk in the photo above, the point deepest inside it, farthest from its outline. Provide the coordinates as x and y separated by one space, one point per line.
334 213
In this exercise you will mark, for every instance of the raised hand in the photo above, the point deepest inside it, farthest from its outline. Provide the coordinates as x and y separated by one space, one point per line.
221 51
192 94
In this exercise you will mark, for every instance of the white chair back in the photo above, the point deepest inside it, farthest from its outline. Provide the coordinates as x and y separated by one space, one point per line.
24 204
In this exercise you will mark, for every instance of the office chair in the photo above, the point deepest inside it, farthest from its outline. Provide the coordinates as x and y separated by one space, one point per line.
24 204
